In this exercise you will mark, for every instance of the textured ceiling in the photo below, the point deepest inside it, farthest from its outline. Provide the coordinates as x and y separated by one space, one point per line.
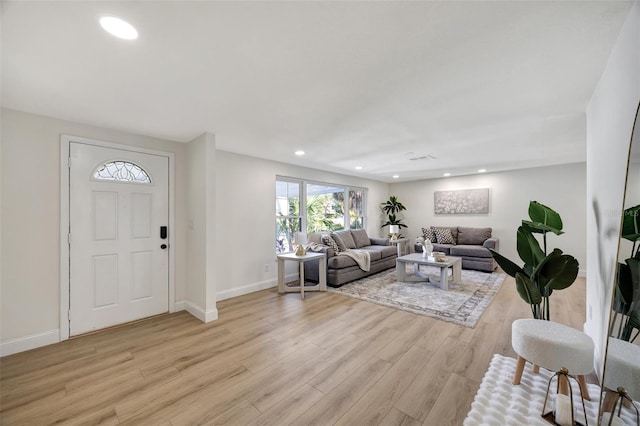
494 85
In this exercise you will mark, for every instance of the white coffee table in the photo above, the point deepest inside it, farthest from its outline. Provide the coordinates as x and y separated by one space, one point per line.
455 263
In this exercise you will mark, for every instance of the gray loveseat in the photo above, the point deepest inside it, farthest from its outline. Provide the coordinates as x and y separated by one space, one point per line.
343 269
472 245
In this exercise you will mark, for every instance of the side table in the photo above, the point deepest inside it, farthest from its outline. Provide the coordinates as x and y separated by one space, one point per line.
321 286
402 244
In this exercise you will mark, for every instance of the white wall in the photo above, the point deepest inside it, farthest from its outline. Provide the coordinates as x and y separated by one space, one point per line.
610 116
30 178
245 217
228 198
562 188
197 226
202 262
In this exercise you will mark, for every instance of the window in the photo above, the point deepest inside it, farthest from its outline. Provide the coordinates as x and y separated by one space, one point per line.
325 208
288 219
121 171
356 209
315 207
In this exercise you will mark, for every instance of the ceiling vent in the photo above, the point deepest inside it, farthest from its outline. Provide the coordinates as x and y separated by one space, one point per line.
415 157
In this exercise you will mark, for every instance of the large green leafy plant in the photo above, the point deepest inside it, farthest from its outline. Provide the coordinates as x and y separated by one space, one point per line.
626 302
542 272
391 208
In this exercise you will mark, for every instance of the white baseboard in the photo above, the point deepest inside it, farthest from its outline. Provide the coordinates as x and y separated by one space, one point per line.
178 306
32 341
201 314
252 288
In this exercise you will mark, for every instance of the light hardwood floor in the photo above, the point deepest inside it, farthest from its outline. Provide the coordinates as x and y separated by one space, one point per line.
271 360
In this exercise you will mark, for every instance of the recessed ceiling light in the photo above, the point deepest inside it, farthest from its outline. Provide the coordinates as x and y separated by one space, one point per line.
118 28
299 153
482 170
446 174
358 167
395 176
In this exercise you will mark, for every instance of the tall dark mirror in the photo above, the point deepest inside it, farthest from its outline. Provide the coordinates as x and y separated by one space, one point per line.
621 380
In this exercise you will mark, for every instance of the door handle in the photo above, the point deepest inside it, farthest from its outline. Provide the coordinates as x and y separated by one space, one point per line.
163 246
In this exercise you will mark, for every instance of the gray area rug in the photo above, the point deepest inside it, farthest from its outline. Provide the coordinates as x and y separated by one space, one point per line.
462 304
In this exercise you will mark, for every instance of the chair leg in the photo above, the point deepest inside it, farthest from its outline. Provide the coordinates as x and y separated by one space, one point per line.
583 387
519 369
535 368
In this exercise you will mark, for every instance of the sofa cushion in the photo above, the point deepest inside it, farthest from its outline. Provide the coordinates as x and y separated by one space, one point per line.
361 238
469 251
470 236
327 240
344 240
374 253
453 229
428 234
444 236
385 251
444 248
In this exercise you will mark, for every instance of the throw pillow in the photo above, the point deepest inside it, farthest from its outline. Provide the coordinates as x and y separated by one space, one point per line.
346 237
428 234
328 241
443 235
360 237
453 229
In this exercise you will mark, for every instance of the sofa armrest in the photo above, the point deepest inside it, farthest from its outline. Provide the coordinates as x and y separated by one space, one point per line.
492 243
323 249
379 241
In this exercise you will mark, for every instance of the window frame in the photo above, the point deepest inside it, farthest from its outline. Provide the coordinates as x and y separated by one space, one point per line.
346 189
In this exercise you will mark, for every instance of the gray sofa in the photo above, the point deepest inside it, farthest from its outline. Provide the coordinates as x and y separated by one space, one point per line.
472 245
343 269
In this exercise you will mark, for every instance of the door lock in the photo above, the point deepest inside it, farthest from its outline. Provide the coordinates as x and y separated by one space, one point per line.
163 246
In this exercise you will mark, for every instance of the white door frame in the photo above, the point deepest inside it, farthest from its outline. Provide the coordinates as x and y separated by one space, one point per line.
65 141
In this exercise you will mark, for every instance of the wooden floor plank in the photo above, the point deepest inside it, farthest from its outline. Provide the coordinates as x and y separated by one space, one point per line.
454 402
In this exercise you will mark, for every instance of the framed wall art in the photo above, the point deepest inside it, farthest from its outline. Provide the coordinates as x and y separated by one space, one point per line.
463 201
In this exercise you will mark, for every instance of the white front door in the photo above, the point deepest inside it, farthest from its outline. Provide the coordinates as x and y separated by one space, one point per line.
119 241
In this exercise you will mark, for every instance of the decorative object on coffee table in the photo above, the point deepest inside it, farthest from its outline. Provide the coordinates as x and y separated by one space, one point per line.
427 247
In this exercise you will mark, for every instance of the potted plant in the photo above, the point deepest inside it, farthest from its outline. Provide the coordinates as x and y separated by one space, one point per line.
391 208
542 272
626 302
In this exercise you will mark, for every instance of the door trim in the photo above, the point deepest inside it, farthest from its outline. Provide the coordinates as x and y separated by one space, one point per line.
65 143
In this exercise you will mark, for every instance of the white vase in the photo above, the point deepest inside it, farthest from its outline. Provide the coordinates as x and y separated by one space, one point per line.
428 247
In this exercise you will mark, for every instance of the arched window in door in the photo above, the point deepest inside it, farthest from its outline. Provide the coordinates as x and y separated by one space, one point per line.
121 171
